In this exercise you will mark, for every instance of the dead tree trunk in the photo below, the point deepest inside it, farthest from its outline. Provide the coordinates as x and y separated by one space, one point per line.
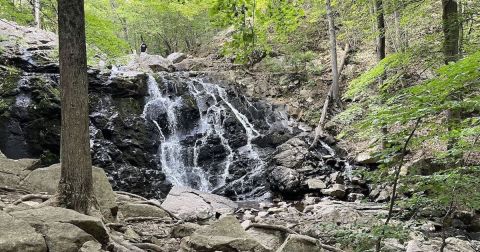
36 10
75 187
333 52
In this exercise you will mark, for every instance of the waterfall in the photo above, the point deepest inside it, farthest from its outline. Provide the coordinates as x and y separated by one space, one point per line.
214 106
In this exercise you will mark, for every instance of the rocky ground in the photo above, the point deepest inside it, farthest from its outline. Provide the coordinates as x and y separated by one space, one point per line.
190 220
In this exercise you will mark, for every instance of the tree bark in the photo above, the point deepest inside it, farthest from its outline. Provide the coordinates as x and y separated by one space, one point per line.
381 51
333 53
36 10
75 187
451 30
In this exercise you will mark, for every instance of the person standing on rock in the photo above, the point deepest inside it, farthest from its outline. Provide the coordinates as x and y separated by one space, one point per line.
143 47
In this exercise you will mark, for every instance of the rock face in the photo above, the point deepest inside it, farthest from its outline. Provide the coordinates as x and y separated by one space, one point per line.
46 180
18 235
42 216
225 235
200 205
300 243
151 127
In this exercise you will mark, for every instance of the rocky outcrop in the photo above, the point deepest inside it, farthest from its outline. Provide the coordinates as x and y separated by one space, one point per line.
17 235
200 205
224 235
46 180
40 217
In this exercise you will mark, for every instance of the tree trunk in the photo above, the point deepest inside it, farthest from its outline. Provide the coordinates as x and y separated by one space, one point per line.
381 53
333 53
75 187
36 10
451 30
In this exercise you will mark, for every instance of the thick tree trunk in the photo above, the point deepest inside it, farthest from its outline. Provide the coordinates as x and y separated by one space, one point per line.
75 187
451 30
333 53
36 10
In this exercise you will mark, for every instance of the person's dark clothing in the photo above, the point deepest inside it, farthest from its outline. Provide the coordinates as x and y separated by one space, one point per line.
143 47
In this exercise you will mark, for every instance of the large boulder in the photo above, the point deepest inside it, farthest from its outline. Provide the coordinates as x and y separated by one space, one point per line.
64 237
17 235
46 180
200 205
225 235
142 210
300 243
291 154
40 217
285 180
453 245
155 63
14 171
176 57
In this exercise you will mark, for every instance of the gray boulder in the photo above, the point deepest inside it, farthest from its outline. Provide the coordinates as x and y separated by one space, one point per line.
337 191
17 235
64 237
300 243
190 204
176 57
291 154
142 210
285 180
13 171
46 180
225 235
40 217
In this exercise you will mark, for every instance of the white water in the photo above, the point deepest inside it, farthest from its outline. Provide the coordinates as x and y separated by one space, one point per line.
214 106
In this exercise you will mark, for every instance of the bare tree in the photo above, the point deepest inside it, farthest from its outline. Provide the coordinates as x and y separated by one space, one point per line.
75 187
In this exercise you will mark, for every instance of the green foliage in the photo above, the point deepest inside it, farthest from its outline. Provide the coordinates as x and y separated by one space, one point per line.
360 238
20 13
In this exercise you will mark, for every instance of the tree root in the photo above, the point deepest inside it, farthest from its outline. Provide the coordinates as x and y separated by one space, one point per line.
153 203
131 195
289 231
10 189
149 246
138 219
121 245
32 197
272 227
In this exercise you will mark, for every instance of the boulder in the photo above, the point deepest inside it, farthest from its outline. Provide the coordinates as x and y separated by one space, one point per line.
285 180
316 184
142 210
46 180
91 246
337 212
200 205
176 57
453 245
225 235
269 238
184 229
43 216
291 154
300 243
155 63
337 191
366 158
64 237
17 235
13 171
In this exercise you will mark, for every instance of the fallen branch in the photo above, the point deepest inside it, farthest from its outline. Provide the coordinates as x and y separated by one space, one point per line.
120 242
149 246
138 219
11 189
28 197
272 227
131 195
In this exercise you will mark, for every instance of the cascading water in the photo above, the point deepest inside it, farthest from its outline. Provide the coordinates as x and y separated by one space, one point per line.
180 167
